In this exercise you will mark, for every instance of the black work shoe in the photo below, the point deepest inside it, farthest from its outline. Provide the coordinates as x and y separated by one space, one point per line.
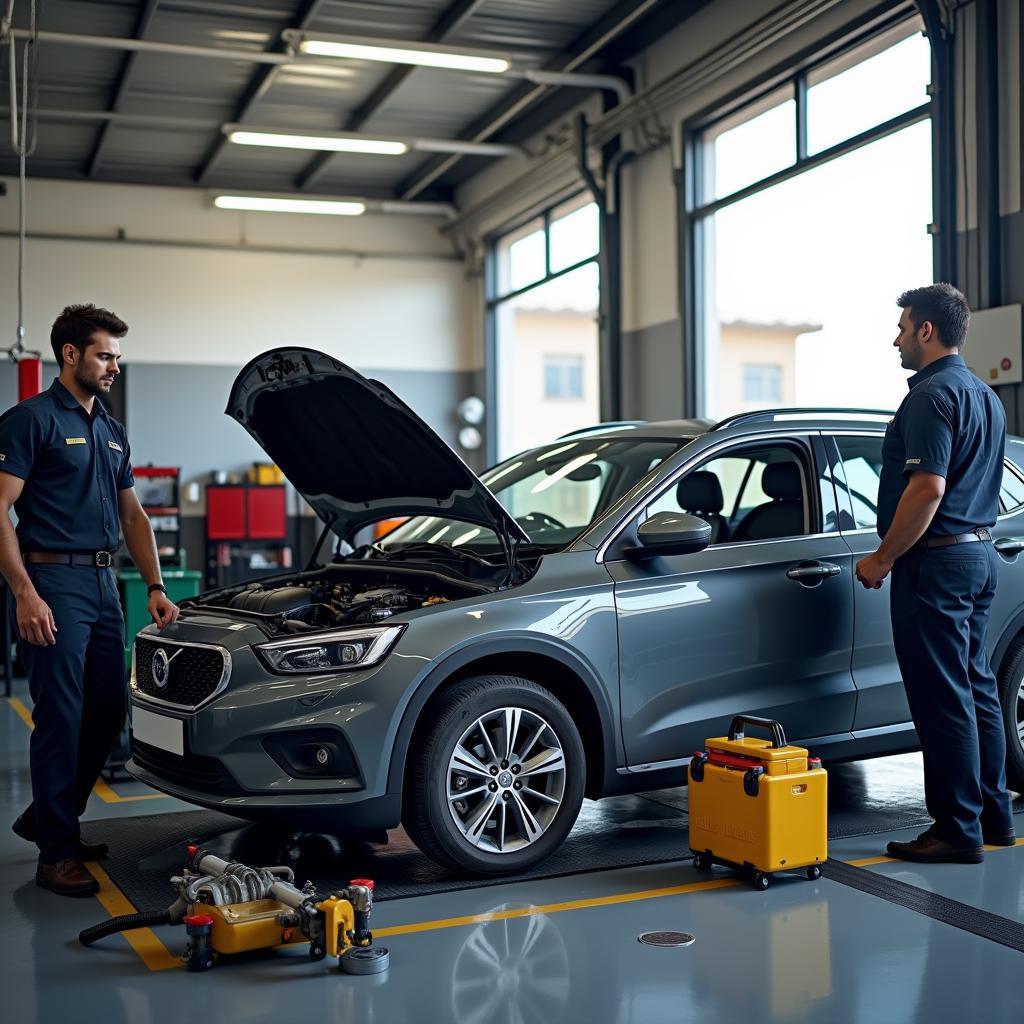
66 878
86 851
929 849
1000 838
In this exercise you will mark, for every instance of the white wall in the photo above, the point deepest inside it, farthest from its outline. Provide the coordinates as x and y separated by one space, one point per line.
217 286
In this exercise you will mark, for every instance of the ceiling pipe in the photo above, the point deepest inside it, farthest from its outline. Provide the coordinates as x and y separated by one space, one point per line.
172 49
573 79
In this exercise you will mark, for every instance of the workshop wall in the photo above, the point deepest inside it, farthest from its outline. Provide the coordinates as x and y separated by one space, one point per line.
205 290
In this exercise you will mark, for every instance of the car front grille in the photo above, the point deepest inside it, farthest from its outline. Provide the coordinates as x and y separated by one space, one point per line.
203 773
190 674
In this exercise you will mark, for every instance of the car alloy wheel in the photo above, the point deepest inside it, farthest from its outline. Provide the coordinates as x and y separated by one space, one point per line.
1011 698
496 776
1019 722
506 780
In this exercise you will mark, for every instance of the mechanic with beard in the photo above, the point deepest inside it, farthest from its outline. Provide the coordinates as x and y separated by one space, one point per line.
938 496
65 469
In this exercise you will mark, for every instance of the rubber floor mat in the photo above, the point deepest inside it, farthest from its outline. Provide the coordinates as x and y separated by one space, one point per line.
939 908
146 851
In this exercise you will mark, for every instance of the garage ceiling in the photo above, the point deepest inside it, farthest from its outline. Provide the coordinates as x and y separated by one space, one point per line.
162 114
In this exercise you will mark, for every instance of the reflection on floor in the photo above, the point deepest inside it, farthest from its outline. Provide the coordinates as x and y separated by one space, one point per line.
558 948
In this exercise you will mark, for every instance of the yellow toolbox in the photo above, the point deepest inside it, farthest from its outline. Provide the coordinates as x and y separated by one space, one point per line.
757 805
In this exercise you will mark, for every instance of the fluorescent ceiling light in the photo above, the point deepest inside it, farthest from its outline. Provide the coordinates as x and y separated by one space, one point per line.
430 57
385 147
337 208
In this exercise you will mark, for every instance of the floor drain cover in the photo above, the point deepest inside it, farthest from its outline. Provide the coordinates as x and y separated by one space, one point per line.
667 939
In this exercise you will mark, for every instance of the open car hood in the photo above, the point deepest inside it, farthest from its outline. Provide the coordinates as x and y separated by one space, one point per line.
354 450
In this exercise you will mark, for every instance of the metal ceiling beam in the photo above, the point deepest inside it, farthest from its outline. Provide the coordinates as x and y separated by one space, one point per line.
451 19
618 20
121 89
261 81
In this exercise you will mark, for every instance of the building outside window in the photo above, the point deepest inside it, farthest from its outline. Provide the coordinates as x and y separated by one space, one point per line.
563 376
543 294
762 383
803 234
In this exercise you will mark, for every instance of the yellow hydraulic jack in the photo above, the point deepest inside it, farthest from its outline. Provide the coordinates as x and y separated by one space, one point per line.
228 908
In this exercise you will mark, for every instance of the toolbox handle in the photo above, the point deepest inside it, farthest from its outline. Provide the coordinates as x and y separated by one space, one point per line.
736 728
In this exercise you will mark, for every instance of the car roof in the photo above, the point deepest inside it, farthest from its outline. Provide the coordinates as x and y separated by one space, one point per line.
758 421
743 423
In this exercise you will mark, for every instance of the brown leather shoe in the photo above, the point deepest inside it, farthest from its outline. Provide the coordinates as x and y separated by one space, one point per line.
929 849
66 878
86 851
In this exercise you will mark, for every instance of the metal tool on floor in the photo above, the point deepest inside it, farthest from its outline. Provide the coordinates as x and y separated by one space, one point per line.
229 908
758 806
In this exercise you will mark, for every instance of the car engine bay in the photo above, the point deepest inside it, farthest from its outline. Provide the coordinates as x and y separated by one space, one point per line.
334 598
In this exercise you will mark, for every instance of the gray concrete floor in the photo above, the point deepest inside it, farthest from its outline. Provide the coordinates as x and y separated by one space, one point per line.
551 950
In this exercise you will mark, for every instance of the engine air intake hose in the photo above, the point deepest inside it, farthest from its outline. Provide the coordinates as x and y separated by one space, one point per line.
123 924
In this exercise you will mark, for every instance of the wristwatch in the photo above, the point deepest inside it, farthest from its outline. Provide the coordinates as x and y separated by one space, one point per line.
156 586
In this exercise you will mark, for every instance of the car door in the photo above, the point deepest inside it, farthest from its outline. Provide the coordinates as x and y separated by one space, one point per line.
881 699
760 625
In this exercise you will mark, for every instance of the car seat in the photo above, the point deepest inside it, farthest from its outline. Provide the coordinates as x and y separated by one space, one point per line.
783 516
701 494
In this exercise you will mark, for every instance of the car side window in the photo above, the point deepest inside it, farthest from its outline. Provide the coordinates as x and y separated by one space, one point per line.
861 459
756 494
1011 490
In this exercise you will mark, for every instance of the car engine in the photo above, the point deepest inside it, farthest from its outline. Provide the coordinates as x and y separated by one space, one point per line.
323 604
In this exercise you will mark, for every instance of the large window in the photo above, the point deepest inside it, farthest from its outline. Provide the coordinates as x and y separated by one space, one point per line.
810 213
543 304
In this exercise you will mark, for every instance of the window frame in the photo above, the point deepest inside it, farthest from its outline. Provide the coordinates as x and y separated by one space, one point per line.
801 445
694 208
493 298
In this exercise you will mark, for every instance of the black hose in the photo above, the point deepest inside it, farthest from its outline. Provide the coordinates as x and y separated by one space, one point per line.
123 924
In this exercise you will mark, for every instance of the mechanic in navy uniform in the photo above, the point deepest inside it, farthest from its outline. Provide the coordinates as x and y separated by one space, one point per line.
65 469
942 465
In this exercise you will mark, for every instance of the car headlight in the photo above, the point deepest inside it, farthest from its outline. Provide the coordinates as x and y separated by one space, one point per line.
330 652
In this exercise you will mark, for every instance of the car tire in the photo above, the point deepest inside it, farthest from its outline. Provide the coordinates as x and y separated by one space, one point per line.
1011 697
465 737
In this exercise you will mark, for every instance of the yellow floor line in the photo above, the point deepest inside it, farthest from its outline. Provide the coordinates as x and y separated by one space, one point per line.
557 908
107 795
153 953
21 711
868 861
101 789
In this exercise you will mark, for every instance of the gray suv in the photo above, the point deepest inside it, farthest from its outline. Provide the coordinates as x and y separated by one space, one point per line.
573 623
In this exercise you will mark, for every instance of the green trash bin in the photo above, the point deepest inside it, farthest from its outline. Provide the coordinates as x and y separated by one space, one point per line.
180 583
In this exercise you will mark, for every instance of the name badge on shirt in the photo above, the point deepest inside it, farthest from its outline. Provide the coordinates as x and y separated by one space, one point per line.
115 446
75 440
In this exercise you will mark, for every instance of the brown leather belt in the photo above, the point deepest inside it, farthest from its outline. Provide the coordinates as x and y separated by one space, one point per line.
981 533
92 560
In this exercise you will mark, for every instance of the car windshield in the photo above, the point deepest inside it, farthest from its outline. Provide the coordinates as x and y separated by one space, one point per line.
554 492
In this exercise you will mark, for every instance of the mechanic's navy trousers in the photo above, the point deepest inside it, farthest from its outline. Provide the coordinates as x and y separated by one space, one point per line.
78 689
940 600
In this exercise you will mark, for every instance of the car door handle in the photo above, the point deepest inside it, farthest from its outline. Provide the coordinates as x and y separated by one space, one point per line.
1010 545
813 572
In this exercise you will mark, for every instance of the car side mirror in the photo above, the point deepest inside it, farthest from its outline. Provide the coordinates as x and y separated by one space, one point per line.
670 533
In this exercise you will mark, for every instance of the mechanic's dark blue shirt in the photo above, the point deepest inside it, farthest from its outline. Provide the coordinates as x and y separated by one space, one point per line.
73 465
953 425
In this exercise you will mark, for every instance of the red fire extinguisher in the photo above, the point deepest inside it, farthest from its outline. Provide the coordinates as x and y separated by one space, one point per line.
30 377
